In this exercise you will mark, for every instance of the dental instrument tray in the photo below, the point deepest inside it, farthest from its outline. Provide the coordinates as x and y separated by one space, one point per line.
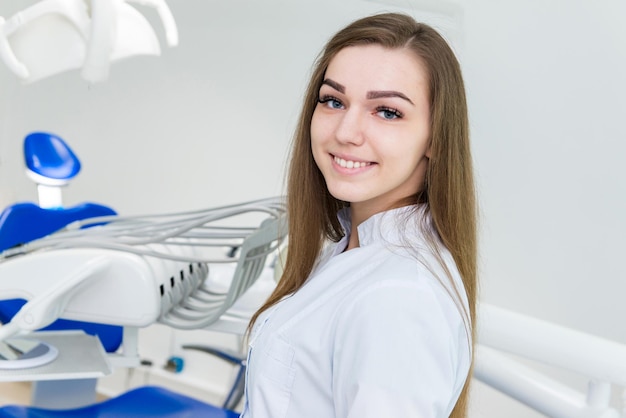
77 356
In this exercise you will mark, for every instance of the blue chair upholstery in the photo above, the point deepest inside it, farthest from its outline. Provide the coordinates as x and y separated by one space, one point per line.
21 223
146 401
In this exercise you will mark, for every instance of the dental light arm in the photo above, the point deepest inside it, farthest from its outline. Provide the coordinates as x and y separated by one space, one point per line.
101 40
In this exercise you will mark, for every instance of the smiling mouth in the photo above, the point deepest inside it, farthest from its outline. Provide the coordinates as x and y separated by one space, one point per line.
350 164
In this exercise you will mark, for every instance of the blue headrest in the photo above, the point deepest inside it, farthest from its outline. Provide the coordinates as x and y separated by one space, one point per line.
48 155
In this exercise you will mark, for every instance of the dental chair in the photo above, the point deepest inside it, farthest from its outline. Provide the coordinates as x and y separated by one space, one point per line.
157 268
171 301
51 164
42 278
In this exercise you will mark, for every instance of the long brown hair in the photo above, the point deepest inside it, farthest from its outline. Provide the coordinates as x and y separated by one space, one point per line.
448 193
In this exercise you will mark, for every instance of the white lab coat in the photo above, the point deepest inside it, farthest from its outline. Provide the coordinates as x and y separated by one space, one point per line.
372 333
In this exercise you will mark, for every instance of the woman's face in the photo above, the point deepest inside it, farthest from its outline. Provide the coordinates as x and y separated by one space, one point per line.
370 130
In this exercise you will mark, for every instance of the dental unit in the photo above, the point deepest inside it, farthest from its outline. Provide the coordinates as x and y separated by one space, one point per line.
136 271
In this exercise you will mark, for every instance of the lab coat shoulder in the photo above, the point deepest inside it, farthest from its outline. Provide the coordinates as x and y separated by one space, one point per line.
401 346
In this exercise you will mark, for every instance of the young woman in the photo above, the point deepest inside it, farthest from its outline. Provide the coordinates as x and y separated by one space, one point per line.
374 313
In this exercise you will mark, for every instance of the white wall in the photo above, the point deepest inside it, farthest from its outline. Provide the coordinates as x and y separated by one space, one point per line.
547 94
210 122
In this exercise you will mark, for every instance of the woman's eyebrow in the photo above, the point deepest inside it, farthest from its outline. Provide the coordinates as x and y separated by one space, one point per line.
339 87
370 94
390 93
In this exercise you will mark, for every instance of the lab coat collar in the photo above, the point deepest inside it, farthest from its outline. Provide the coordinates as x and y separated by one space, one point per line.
392 226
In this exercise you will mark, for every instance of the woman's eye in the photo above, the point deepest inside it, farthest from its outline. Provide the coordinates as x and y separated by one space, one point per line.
331 102
388 113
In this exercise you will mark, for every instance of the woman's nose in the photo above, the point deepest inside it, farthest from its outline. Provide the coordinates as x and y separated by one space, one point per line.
349 130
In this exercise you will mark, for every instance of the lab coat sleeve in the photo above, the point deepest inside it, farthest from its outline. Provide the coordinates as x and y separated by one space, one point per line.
396 353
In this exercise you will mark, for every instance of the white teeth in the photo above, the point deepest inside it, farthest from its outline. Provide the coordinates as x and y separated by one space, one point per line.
350 164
